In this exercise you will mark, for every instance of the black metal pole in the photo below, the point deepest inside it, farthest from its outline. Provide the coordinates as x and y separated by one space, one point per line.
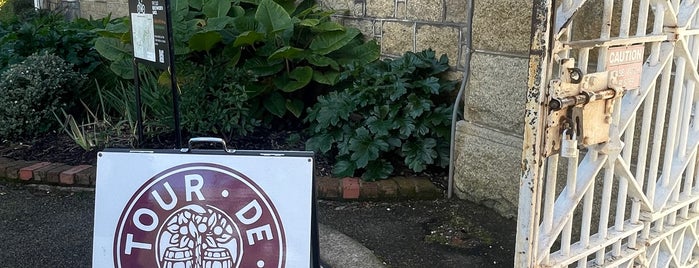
173 76
139 115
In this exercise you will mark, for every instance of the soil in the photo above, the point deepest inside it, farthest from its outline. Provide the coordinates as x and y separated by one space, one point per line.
407 233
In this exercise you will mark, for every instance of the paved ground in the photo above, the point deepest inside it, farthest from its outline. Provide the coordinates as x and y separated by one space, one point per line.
46 226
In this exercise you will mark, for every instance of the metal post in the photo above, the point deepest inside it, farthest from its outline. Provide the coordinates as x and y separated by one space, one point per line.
173 77
139 115
532 158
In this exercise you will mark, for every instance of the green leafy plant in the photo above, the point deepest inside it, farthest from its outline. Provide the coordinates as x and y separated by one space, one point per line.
292 48
96 131
87 135
43 30
31 91
393 109
225 113
156 109
9 9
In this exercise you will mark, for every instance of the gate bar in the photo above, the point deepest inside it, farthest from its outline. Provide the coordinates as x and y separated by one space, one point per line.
528 213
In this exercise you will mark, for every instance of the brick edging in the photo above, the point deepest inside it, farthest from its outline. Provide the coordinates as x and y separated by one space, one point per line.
327 187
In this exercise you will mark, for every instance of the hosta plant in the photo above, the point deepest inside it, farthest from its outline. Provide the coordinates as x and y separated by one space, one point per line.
394 112
291 47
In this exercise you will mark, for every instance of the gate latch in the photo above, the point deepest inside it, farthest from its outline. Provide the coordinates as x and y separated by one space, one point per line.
584 101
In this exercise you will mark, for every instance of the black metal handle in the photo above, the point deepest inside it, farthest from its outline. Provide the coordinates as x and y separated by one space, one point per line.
192 141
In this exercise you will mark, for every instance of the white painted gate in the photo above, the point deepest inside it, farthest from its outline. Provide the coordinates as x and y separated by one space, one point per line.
630 196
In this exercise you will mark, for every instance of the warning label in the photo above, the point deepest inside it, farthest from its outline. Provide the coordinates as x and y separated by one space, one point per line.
627 63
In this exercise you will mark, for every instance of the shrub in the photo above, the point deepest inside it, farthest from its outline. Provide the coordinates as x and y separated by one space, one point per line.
31 91
43 30
224 94
393 109
10 8
292 48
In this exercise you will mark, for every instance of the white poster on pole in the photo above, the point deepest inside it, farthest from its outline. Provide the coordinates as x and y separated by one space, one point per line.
203 210
143 36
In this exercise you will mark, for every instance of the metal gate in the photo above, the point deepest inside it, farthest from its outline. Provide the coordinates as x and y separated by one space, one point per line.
609 165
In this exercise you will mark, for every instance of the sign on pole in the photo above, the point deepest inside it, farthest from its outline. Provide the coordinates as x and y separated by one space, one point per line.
151 33
172 209
149 26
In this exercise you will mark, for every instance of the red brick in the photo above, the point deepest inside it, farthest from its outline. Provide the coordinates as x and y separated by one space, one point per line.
406 188
26 173
4 165
328 188
12 172
369 190
54 174
85 177
68 176
425 189
41 174
388 188
350 188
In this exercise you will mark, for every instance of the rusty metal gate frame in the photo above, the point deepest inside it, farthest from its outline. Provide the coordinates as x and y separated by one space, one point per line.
653 171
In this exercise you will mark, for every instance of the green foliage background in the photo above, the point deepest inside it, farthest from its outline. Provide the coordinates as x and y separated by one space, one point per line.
396 111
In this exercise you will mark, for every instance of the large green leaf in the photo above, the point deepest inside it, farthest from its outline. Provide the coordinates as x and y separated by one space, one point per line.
297 79
309 22
262 67
248 38
420 154
204 41
112 49
273 17
322 61
237 11
245 24
328 42
276 104
216 8
180 6
327 78
328 26
232 54
363 54
344 168
295 107
378 169
365 147
196 4
287 52
114 28
320 143
122 68
216 24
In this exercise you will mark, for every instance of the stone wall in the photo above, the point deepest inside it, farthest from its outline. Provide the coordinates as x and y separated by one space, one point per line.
489 140
403 25
102 8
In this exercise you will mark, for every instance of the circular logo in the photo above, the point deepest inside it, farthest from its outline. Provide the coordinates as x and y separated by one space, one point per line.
199 215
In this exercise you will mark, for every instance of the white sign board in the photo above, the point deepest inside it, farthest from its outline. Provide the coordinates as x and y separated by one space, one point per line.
627 63
203 210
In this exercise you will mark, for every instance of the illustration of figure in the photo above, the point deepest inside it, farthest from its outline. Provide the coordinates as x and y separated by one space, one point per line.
140 8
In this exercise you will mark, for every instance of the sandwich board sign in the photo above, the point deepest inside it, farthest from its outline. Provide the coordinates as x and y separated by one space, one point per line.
169 209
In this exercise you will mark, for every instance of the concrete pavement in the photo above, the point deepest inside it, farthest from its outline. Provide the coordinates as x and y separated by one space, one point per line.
52 226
